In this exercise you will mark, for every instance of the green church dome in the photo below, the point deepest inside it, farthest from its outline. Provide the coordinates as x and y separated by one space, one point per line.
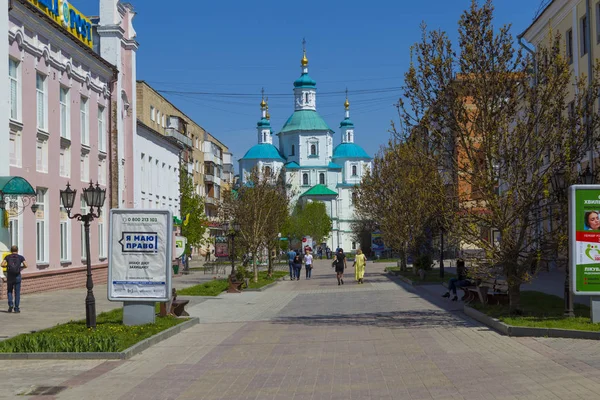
305 120
305 81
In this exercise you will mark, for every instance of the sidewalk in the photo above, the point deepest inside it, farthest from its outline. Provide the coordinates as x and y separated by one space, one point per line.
46 309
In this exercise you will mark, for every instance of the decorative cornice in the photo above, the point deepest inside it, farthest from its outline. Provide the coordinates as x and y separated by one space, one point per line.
57 60
554 13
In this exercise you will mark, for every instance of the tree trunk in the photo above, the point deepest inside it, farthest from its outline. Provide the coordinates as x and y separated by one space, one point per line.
255 267
514 297
270 269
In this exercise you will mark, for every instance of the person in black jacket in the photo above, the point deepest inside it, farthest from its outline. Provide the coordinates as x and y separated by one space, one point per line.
460 280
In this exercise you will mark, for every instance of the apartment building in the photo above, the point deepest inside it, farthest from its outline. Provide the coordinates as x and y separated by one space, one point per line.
206 158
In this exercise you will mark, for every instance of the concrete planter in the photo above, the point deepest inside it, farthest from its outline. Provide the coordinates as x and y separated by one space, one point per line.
122 355
522 331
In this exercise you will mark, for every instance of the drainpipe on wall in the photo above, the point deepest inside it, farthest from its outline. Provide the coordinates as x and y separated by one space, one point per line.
112 123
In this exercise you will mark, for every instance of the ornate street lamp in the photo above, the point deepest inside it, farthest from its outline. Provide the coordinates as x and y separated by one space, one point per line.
94 198
587 177
559 186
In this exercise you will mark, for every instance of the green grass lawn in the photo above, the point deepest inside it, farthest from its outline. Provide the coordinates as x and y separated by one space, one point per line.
263 280
110 335
385 260
541 310
211 288
432 276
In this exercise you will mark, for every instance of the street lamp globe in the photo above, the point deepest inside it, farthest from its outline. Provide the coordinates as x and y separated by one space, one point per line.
558 181
587 177
68 197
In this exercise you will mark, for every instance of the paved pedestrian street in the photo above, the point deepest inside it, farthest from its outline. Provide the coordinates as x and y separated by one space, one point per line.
313 339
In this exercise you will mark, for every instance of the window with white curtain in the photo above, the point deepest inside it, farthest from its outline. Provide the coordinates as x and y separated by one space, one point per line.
101 236
102 171
41 226
13 80
85 123
14 149
65 115
101 130
64 161
84 165
65 235
42 101
41 155
152 113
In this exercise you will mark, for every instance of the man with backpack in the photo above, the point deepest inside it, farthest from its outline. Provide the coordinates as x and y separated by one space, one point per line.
14 263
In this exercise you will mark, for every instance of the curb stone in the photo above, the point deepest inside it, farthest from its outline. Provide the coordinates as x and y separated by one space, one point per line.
121 355
523 331
409 281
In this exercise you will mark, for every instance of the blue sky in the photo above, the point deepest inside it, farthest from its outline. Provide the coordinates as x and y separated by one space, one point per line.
239 47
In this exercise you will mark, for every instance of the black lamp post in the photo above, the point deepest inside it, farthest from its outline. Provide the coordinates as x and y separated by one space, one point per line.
559 186
94 198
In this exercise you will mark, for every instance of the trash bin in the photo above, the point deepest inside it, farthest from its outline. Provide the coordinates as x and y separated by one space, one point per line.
175 269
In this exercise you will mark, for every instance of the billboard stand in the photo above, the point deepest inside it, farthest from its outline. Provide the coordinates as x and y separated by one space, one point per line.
138 313
595 311
139 267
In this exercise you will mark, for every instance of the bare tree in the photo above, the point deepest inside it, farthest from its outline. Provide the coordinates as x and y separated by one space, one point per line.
501 125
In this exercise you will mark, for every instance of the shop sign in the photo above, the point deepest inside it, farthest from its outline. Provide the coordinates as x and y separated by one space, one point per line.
139 254
63 13
584 238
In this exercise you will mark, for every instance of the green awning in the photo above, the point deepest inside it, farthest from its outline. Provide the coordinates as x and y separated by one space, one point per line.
319 190
15 185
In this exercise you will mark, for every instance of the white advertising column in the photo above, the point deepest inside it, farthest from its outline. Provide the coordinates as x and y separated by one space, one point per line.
139 267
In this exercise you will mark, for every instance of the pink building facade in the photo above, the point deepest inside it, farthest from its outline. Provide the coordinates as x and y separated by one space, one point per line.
70 120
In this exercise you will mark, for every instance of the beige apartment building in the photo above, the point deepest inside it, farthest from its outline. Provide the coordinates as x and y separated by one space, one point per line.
578 23
207 159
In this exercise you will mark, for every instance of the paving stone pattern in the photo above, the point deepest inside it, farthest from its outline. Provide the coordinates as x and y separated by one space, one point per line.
313 339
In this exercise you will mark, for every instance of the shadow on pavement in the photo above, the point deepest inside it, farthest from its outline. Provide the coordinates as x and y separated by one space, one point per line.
395 319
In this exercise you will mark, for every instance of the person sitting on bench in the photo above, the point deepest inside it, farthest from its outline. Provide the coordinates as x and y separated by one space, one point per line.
460 280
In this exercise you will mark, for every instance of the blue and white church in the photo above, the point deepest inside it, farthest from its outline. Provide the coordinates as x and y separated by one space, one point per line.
315 168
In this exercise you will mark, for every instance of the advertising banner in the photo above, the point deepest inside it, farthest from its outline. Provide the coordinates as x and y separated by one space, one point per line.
180 242
584 238
377 244
221 246
139 253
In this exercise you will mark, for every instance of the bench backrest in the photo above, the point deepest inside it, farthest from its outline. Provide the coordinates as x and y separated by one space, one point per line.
498 285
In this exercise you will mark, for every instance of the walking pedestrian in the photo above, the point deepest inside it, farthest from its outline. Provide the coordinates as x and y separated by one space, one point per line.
308 264
291 255
297 267
340 264
359 266
207 254
14 263
328 252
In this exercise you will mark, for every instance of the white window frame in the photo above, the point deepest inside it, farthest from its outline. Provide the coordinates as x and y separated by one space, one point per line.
101 129
102 170
65 236
41 101
65 112
15 159
302 174
352 168
102 239
84 167
324 177
41 155
64 170
583 30
14 103
152 113
41 244
84 120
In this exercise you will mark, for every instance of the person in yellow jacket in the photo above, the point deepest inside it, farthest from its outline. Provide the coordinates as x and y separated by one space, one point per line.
359 266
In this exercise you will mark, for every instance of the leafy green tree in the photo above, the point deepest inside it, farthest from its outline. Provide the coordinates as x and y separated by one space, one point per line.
260 208
309 219
195 223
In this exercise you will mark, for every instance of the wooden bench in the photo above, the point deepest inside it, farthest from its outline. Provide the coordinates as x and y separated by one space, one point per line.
178 306
467 296
490 291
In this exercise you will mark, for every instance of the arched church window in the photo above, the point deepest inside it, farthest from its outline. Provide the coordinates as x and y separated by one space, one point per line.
293 150
354 197
354 170
322 178
267 171
313 149
306 97
305 179
348 137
